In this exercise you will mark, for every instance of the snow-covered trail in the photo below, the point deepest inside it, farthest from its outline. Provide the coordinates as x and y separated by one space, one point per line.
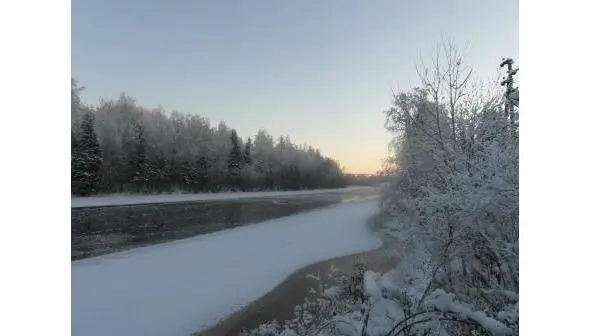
183 286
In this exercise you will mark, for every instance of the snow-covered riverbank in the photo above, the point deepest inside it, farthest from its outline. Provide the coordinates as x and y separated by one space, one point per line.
183 286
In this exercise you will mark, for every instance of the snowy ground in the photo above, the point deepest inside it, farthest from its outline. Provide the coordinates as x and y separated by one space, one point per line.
78 202
184 286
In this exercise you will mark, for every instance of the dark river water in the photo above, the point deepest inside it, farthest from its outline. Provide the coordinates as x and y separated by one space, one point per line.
103 230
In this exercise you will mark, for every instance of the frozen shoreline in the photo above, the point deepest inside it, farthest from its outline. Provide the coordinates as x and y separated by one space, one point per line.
115 200
279 303
179 287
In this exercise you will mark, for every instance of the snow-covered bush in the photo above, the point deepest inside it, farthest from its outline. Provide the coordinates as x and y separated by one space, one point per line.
400 302
452 198
454 193
336 295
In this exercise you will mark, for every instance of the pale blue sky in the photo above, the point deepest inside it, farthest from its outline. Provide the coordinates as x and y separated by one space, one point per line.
320 71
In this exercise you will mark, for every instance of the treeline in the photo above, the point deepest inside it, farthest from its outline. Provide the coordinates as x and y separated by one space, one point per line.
119 146
366 179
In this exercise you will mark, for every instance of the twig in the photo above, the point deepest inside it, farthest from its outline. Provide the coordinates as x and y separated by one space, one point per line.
365 321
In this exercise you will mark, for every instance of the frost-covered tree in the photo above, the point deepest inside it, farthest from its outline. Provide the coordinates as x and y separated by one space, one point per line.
202 175
235 162
248 152
454 188
87 160
152 150
263 155
74 159
77 107
250 177
140 167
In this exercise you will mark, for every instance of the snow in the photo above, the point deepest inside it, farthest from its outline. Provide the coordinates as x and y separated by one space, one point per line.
332 292
370 285
445 302
184 286
112 200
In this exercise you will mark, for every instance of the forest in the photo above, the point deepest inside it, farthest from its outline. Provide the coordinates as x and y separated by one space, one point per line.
122 147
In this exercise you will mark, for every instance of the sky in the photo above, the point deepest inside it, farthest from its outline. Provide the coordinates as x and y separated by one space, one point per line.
320 71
